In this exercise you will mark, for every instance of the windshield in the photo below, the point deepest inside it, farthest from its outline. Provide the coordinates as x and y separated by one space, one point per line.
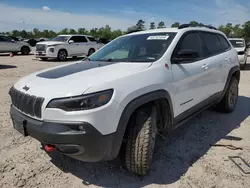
61 38
237 43
135 48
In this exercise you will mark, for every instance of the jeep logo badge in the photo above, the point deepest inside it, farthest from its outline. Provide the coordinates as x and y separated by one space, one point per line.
26 88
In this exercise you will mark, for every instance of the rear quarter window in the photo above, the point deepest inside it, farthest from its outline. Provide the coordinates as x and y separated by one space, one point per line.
224 43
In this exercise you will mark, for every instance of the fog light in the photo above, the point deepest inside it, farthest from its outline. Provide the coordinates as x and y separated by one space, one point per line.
51 50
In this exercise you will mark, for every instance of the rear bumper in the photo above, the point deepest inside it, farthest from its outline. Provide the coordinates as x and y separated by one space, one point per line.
77 140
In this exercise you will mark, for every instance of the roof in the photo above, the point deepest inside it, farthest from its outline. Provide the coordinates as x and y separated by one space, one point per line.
235 39
176 30
75 35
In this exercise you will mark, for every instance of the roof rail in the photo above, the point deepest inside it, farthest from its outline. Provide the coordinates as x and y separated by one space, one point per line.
196 25
133 31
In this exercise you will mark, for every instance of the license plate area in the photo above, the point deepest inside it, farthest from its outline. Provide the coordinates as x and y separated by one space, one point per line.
19 124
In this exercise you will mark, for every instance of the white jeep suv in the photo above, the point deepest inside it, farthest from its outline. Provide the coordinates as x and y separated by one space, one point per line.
122 96
64 46
240 45
8 44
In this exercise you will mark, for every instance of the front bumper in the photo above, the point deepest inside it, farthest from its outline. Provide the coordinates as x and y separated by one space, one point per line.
47 53
77 140
242 59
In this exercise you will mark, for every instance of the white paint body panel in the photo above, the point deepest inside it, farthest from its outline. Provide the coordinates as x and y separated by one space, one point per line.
131 80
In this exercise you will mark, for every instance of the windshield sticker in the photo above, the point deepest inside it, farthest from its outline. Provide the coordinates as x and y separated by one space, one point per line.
158 37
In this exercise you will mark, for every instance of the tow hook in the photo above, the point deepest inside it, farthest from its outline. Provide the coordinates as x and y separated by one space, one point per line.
49 148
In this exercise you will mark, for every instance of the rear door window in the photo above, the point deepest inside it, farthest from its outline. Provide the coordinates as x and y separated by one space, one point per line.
91 39
212 43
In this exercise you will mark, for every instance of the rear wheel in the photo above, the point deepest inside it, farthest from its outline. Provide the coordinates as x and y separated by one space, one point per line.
229 101
62 55
91 51
140 140
25 50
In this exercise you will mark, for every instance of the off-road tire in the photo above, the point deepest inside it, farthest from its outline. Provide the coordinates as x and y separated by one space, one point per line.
62 55
229 101
25 50
91 51
44 58
140 140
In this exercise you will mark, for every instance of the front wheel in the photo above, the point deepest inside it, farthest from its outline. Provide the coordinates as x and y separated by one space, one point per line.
62 55
140 140
44 58
229 101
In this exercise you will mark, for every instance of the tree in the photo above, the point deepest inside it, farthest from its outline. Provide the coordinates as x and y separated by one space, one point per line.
82 31
116 33
140 25
72 31
193 23
176 24
161 25
15 33
152 25
64 31
246 30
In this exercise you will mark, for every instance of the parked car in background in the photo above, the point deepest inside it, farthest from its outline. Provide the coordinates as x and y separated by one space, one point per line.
14 38
8 44
64 46
240 45
103 40
31 42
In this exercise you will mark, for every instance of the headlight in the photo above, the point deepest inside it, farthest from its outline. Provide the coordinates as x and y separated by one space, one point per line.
84 102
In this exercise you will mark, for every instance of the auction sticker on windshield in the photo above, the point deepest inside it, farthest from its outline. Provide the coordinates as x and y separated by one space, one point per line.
158 37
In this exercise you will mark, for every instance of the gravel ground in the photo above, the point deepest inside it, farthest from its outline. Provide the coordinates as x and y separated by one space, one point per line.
186 159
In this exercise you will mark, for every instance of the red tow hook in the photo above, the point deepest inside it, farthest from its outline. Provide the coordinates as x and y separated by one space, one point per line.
49 148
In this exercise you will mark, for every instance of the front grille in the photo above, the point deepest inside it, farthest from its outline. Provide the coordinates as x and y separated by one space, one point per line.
29 104
41 47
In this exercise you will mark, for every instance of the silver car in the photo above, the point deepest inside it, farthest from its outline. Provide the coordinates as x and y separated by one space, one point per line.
9 45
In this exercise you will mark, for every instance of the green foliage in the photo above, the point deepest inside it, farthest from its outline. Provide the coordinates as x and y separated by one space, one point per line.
161 25
106 32
176 24
152 25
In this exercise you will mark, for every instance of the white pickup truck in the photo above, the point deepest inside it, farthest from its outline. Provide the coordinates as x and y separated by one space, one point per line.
64 46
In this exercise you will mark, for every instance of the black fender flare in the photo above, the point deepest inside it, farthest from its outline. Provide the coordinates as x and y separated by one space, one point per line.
127 112
233 70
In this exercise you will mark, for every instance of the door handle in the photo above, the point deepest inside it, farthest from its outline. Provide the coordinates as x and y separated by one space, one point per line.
205 66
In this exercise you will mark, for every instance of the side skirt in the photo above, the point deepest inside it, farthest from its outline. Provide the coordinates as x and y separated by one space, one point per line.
195 110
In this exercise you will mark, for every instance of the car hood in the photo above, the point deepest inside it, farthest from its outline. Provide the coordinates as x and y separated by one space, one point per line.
75 78
48 43
242 49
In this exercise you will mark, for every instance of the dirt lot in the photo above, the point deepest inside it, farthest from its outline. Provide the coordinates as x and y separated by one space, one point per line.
187 159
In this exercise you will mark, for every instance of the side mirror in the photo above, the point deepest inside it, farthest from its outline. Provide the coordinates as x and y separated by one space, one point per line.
186 56
71 41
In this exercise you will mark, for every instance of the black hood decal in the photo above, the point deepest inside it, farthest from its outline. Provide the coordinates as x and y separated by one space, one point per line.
72 69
